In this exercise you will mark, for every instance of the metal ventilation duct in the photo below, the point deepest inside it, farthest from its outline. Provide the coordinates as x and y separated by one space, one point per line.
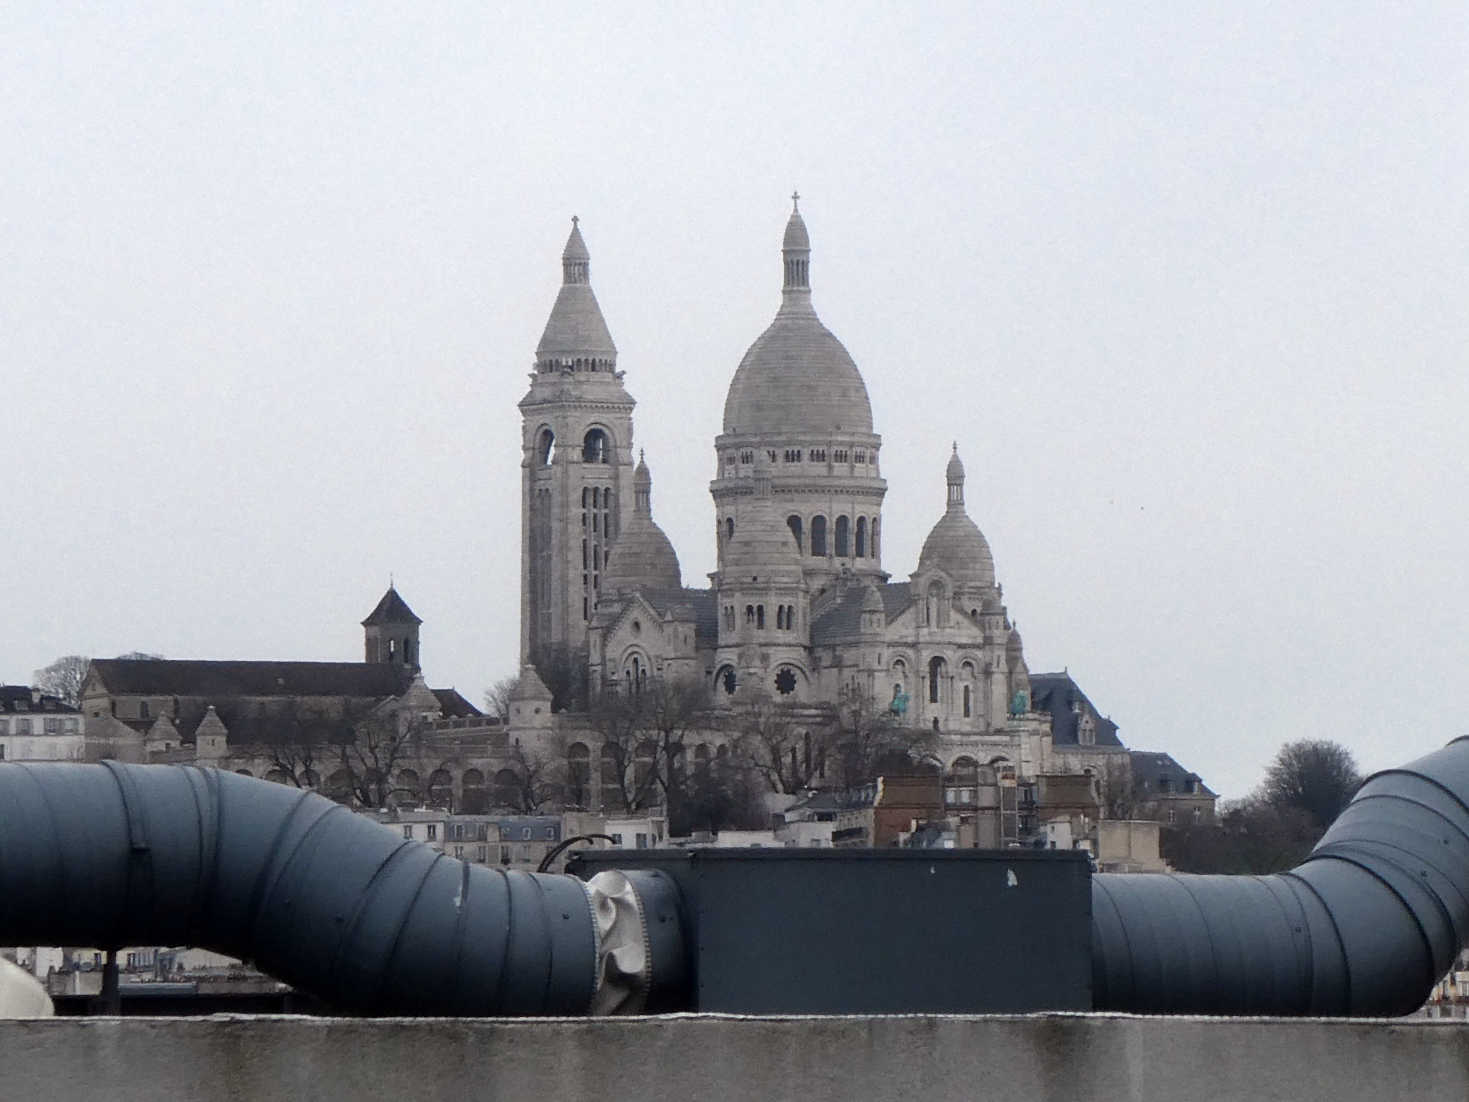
340 906
1365 926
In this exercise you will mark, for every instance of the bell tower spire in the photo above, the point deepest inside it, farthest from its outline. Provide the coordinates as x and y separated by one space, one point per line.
577 462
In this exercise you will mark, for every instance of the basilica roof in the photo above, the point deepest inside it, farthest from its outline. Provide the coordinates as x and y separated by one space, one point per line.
842 618
956 545
576 326
797 379
642 557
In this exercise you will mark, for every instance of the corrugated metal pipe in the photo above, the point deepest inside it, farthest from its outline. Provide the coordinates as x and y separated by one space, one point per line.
1364 926
329 901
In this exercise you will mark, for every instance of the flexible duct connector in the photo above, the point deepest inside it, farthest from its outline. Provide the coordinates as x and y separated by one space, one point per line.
1364 926
324 899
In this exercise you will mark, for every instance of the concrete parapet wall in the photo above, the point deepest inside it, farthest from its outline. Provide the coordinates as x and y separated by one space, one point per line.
683 1057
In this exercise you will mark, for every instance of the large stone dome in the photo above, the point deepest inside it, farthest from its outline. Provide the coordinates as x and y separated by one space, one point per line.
797 380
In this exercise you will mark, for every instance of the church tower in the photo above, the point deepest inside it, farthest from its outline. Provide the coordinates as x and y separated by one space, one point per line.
576 465
390 633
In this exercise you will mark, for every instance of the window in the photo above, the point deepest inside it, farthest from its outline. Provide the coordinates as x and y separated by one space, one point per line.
967 701
408 831
641 840
747 456
935 676
2 751
843 537
143 709
459 852
616 838
760 616
433 832
859 455
861 537
793 522
839 455
818 537
793 455
785 682
525 834
594 447
817 455
546 447
481 853
53 725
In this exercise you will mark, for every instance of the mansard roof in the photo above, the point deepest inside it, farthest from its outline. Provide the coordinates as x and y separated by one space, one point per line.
1055 693
1150 767
21 698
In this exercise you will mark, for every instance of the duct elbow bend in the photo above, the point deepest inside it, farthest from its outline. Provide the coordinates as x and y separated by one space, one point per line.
324 899
1365 926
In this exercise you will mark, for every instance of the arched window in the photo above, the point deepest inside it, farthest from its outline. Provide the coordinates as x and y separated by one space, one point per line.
861 537
844 534
440 788
935 676
793 522
729 528
545 447
961 783
968 701
780 617
749 614
594 447
473 799
876 542
818 537
506 794
760 616
726 680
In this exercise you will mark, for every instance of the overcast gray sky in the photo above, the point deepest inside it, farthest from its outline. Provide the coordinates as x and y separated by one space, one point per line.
1185 282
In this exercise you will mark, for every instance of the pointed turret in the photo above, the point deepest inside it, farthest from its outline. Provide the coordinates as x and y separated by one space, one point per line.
576 334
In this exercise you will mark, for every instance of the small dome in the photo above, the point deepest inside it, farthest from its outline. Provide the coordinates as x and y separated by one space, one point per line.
642 557
576 247
958 548
1013 643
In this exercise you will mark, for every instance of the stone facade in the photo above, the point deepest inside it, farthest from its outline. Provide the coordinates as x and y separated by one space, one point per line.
800 609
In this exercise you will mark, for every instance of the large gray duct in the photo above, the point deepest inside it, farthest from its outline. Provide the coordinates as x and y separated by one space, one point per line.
1364 926
327 900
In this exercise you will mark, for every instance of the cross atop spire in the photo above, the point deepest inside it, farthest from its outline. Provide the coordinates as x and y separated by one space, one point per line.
574 221
795 202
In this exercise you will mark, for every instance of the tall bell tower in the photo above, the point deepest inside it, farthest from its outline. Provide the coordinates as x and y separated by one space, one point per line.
576 465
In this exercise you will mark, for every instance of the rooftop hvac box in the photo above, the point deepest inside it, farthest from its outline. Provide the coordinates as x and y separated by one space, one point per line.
886 931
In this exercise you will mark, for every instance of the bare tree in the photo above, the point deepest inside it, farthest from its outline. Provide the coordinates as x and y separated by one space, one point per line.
497 697
866 741
1315 776
564 671
628 756
789 757
376 746
539 774
64 678
1120 795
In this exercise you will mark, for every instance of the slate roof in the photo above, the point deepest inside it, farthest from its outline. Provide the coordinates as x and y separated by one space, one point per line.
392 609
17 698
453 705
842 618
702 601
1055 693
217 680
1150 768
